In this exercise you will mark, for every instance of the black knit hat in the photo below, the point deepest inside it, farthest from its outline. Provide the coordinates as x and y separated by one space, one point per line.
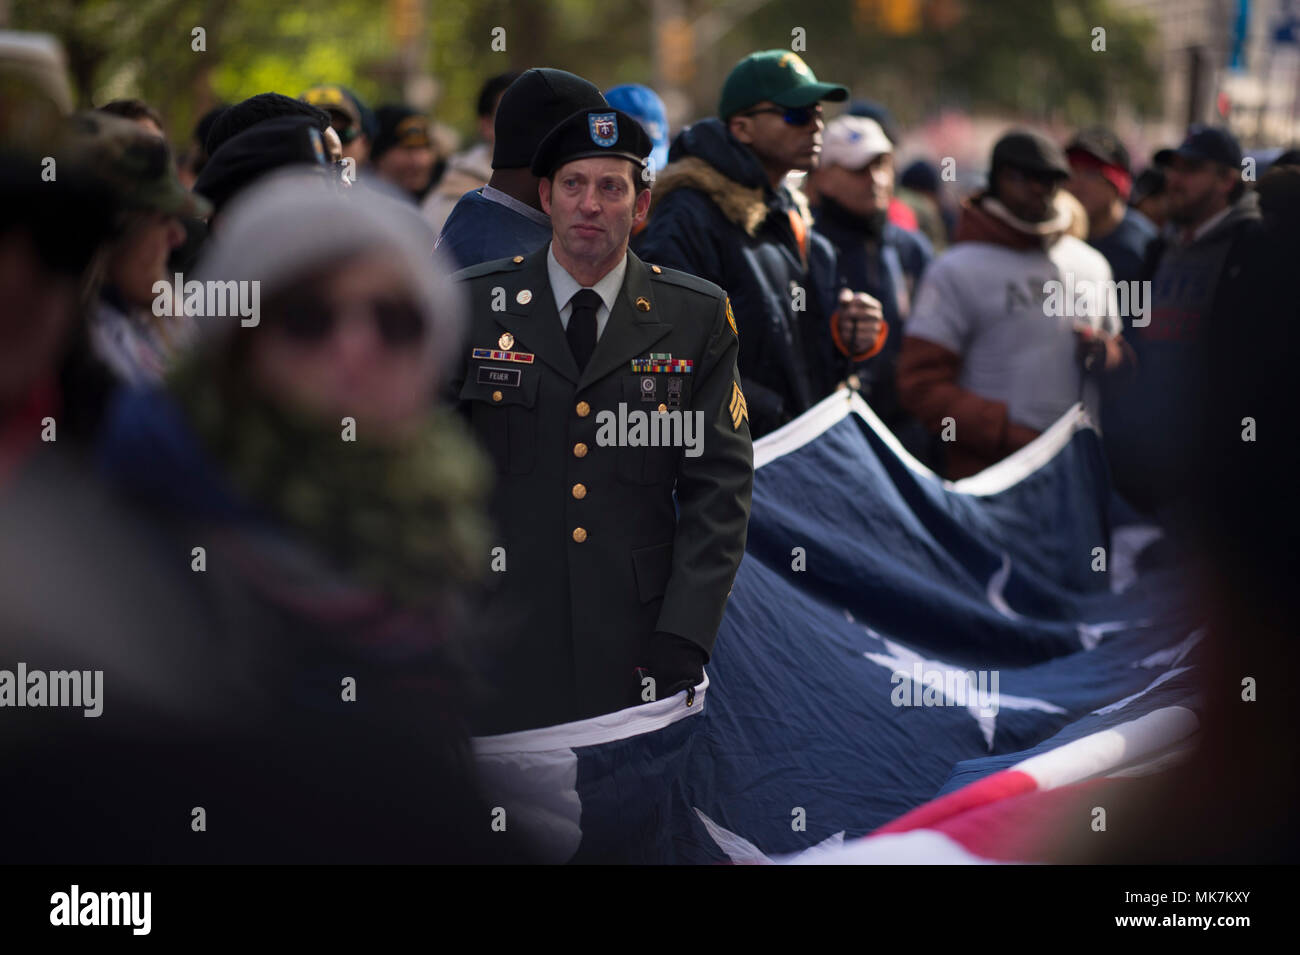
256 109
246 157
532 106
399 125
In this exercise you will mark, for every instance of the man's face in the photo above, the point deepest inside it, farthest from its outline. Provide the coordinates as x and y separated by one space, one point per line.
781 145
1028 195
1196 189
408 167
866 191
1092 189
593 205
358 148
140 256
353 141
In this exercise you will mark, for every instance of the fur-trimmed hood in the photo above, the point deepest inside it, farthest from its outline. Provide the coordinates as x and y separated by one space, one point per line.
706 157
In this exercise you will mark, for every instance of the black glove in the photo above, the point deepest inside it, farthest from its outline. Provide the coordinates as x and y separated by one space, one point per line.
675 663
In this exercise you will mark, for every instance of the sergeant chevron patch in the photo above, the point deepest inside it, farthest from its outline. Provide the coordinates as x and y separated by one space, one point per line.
739 409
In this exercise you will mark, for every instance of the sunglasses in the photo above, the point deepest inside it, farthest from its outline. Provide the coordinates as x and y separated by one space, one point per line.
311 321
794 116
343 126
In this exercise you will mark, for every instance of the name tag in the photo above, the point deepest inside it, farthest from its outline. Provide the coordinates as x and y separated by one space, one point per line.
509 377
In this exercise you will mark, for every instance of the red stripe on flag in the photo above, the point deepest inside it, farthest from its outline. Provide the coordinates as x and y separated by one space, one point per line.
1008 782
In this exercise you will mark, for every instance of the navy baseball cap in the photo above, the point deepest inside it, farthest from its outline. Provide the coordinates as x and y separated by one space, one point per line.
1210 143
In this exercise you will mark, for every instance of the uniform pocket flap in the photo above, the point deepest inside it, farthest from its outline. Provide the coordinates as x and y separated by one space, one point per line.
653 566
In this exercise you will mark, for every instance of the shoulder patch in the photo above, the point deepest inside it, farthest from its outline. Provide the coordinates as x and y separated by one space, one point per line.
731 318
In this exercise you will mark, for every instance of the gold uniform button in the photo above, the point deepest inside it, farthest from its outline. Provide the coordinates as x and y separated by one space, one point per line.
497 396
517 259
663 408
583 409
579 450
656 270
579 534
579 491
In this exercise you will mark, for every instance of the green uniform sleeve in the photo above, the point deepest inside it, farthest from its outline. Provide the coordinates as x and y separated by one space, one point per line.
713 496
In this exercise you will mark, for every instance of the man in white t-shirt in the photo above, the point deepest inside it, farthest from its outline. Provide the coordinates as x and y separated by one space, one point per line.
1010 321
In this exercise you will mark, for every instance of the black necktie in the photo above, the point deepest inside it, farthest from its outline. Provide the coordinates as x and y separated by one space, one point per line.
582 326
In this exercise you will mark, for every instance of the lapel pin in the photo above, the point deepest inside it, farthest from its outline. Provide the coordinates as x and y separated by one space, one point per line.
523 297
643 304
506 341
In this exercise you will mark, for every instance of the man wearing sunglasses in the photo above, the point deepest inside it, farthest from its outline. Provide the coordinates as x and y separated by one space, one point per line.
605 390
722 212
348 118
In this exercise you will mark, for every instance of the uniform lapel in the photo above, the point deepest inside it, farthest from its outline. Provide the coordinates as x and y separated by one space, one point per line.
536 324
630 331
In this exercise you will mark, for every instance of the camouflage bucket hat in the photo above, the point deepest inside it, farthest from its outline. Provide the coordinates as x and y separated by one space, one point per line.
136 165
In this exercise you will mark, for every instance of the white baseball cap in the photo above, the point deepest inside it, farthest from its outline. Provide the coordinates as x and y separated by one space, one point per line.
853 141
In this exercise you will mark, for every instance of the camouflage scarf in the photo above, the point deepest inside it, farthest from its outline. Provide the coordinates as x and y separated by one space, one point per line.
405 519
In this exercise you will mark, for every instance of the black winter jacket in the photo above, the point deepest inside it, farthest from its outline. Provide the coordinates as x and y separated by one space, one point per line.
716 216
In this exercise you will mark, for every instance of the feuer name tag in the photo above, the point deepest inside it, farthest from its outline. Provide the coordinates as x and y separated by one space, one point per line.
510 377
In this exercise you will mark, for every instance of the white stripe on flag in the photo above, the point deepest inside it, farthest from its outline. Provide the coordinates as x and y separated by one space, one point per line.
1113 751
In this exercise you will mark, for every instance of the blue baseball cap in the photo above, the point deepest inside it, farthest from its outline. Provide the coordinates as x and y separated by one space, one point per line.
644 105
1210 143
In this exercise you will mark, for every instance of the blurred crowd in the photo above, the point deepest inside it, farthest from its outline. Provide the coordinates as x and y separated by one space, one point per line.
183 508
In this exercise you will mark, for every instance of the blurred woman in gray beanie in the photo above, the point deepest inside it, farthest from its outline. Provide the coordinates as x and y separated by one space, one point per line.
318 403
340 516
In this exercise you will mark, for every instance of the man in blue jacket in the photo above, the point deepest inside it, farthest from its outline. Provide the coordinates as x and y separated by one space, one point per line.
505 217
721 211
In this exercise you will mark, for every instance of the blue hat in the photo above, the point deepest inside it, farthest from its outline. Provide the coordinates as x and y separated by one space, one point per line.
644 105
1210 143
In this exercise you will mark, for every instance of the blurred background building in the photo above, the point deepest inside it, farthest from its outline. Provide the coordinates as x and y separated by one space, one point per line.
1233 61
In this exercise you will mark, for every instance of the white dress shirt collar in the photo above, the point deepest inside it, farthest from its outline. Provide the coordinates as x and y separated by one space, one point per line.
564 286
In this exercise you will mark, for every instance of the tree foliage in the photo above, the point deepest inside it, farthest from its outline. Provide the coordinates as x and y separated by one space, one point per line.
1030 57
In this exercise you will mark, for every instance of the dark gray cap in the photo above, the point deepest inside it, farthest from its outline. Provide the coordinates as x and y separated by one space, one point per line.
1030 152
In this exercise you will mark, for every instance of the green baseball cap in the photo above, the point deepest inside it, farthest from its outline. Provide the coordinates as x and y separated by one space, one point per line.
777 75
136 165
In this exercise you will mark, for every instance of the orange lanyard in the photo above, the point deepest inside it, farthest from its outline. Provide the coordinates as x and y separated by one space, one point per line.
800 236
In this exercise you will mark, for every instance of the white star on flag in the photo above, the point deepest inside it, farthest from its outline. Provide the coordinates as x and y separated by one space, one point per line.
956 686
